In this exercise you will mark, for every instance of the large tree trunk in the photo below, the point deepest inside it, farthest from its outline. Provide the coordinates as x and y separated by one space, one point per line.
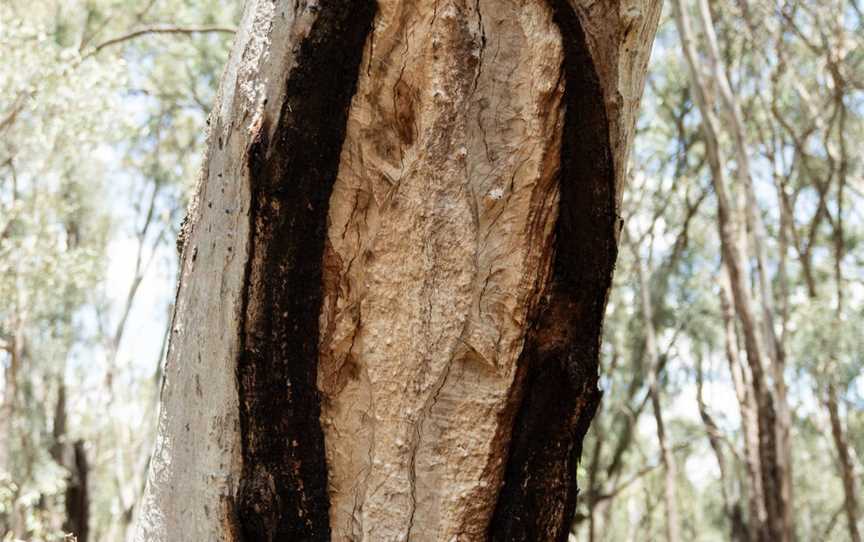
395 270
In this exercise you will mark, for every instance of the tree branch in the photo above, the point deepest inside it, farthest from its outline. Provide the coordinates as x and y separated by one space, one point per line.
160 29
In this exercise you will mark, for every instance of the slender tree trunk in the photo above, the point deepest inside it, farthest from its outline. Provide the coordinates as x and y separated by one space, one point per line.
395 270
594 487
740 530
7 414
72 457
7 404
773 346
847 470
670 494
77 498
772 452
747 410
13 448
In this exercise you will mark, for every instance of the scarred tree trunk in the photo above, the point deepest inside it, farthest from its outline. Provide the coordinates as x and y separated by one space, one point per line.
395 269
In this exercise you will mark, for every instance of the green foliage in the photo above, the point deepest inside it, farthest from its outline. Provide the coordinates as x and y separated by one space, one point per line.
99 145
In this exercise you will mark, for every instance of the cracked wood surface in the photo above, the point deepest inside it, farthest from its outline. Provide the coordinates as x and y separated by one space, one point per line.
440 251
442 297
440 240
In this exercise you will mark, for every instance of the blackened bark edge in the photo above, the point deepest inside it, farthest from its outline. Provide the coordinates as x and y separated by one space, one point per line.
282 493
560 356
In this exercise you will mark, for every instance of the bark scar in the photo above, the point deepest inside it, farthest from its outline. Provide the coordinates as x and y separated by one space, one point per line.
558 365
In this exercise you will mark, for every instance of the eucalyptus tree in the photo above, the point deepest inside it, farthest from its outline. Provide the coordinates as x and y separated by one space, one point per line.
52 235
760 108
394 271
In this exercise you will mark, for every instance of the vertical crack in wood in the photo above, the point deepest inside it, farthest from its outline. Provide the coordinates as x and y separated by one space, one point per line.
558 366
282 494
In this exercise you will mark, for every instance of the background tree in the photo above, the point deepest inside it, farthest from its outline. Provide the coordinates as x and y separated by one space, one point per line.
92 126
729 116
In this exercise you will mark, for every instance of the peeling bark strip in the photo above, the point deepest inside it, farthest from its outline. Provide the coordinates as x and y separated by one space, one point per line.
282 493
561 351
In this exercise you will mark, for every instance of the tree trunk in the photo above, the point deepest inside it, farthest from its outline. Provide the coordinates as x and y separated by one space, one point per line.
747 410
14 450
77 498
774 350
8 408
670 493
773 444
395 270
740 530
73 457
847 469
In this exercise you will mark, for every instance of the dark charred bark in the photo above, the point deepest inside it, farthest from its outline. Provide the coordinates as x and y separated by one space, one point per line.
560 357
77 500
283 490
73 457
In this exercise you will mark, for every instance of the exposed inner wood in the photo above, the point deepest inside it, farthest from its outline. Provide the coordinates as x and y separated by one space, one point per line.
440 243
559 360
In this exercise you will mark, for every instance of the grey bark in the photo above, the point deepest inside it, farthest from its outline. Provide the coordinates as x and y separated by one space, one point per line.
670 485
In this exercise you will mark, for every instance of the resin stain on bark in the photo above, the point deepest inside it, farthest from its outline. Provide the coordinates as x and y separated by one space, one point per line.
560 356
282 493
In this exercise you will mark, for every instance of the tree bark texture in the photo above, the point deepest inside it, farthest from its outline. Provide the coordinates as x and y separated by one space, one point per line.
394 271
